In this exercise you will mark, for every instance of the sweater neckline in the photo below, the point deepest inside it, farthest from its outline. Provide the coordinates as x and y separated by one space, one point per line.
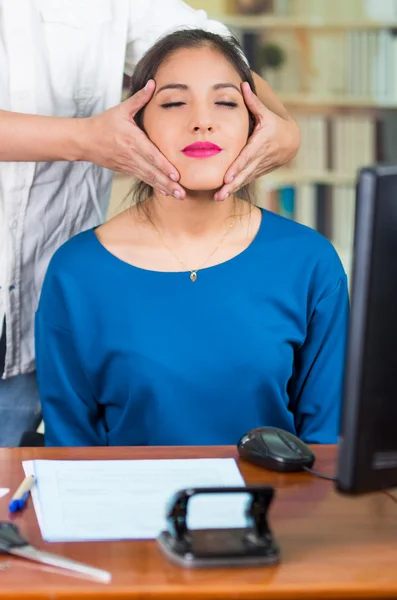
230 261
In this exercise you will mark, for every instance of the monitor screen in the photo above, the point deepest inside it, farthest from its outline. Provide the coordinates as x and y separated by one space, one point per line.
367 453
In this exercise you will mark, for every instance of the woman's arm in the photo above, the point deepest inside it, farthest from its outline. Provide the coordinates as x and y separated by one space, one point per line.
316 387
71 415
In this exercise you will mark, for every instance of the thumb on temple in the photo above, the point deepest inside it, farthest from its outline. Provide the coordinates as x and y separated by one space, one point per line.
139 99
254 104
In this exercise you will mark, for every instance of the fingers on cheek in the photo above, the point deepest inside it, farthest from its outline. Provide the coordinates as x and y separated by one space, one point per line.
222 195
237 168
162 186
237 184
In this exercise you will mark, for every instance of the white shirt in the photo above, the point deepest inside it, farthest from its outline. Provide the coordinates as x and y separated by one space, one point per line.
62 58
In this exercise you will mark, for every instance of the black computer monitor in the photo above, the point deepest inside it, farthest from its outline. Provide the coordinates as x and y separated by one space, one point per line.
367 453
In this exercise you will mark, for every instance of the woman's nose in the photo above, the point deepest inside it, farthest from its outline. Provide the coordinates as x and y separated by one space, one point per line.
201 120
202 127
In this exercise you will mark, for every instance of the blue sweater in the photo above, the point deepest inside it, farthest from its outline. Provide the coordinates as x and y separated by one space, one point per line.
128 356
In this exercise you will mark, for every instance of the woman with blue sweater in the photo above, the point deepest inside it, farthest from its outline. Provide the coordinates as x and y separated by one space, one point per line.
192 321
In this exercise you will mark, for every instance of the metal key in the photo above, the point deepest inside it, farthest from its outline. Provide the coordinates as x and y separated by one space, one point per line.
11 542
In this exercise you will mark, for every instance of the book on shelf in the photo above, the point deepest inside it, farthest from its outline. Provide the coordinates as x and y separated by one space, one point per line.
353 142
388 137
338 144
312 154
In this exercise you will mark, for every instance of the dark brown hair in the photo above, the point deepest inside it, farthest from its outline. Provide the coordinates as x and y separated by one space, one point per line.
149 64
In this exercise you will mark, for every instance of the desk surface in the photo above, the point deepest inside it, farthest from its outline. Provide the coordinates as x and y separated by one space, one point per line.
332 546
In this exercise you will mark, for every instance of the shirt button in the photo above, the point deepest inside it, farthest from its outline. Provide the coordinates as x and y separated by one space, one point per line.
13 224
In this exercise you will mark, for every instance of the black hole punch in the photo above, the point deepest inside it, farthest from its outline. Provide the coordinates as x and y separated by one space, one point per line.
243 546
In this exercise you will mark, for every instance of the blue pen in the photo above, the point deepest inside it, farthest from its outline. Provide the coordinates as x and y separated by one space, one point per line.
18 500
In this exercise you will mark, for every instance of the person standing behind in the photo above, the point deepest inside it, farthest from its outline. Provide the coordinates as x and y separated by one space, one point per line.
63 132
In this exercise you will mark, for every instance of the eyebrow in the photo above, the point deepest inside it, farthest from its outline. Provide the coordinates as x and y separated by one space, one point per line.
182 86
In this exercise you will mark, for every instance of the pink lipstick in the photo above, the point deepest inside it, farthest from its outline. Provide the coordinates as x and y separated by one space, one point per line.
201 150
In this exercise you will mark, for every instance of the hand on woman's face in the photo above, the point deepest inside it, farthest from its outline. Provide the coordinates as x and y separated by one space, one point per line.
198 99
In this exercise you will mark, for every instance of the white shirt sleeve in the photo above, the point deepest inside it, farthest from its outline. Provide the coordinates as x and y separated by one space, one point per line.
151 19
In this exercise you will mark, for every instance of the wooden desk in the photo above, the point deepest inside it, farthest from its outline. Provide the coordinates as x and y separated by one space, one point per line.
331 546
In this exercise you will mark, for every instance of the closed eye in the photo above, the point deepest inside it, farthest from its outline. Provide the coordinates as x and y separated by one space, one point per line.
230 104
171 104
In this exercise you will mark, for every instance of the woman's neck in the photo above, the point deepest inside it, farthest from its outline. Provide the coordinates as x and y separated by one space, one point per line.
195 216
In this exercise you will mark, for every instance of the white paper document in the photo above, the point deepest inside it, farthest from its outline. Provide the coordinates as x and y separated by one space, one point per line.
4 492
127 499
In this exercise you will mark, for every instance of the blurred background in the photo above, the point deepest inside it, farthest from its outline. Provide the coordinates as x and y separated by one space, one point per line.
333 64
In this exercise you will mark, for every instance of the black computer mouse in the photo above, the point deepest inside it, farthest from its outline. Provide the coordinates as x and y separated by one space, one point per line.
275 449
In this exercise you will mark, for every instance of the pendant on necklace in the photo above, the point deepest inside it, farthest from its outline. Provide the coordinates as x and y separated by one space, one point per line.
193 276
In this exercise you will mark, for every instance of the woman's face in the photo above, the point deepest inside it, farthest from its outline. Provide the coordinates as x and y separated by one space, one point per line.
197 117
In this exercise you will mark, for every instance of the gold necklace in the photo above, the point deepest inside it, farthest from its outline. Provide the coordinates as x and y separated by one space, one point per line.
193 273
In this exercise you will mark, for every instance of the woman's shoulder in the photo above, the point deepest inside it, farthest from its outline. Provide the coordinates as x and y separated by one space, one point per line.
288 227
96 248
301 247
78 251
301 238
71 268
